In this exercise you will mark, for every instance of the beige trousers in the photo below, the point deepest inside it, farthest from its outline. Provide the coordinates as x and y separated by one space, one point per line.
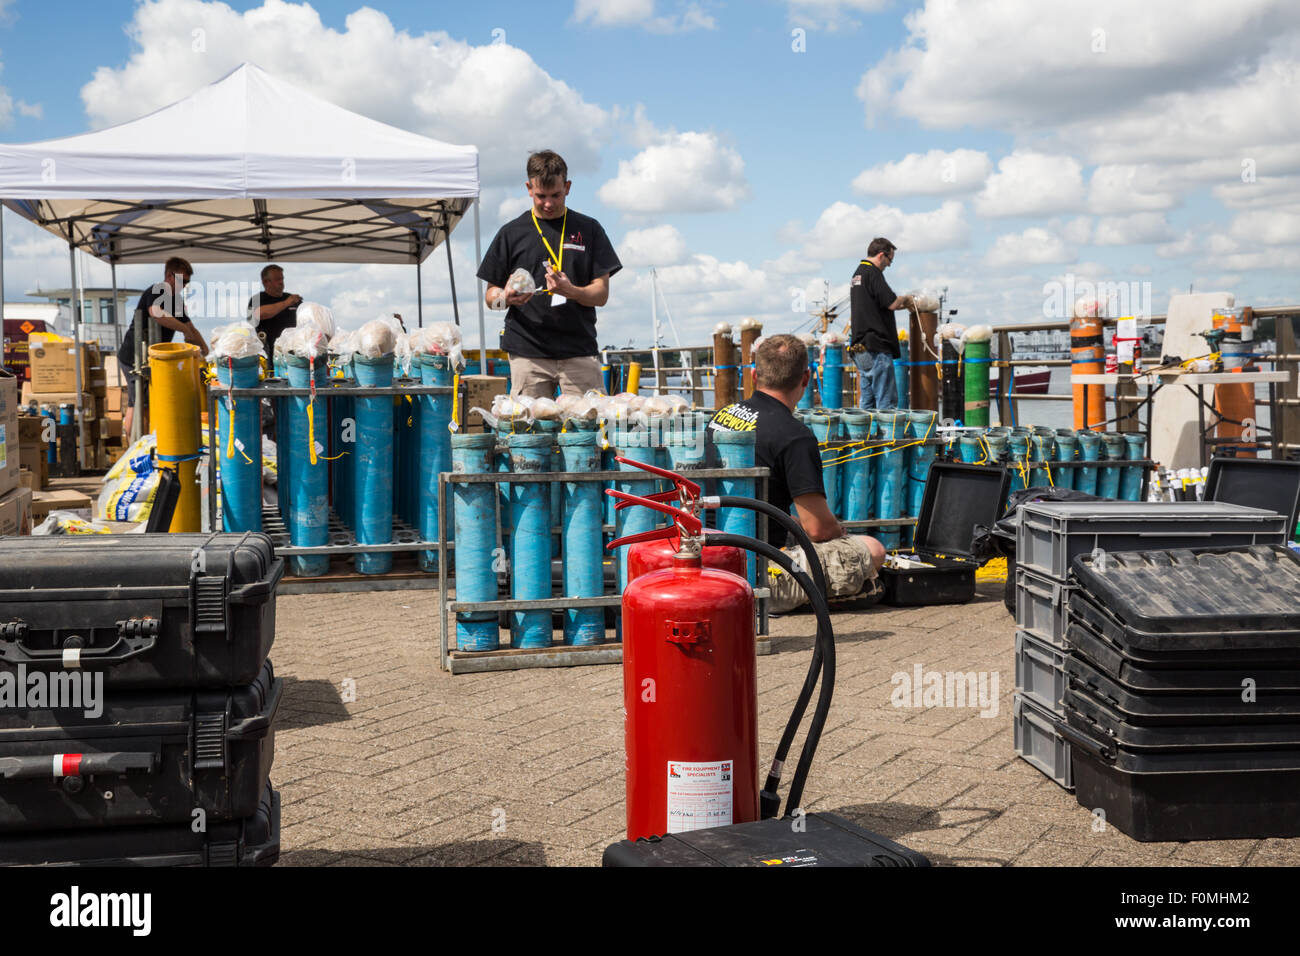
537 378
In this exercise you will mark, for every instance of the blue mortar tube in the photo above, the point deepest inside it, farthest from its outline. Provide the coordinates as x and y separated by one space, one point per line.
345 427
627 521
806 400
736 450
434 451
555 492
891 473
1065 451
902 379
583 543
240 459
997 445
856 484
1108 479
833 377
970 448
607 463
530 539
1089 444
684 443
825 426
283 471
1018 457
1130 480
474 515
921 426
1042 449
373 464
309 526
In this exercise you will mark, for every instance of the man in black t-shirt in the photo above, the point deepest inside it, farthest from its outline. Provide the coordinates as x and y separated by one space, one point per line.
789 449
273 311
550 334
163 306
874 338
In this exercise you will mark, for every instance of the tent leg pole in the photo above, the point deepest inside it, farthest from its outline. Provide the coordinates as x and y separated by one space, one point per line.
117 320
2 271
419 296
451 275
76 355
478 258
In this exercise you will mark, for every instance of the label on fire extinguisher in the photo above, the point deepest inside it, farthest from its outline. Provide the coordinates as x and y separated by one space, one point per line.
699 795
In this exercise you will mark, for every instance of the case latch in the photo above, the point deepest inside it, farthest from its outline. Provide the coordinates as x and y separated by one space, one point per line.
210 740
210 594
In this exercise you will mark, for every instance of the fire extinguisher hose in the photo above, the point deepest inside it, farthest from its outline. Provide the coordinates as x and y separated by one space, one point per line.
769 800
825 641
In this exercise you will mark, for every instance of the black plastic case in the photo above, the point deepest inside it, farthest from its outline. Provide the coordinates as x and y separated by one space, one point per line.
825 840
251 841
957 498
148 758
150 611
1267 483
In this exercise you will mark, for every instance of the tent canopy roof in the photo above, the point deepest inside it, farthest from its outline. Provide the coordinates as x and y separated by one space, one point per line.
236 173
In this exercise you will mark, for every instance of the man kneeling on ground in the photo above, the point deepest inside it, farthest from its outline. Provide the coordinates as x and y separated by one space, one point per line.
789 449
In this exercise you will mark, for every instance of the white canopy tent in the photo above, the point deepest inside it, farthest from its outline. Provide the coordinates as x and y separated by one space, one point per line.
248 169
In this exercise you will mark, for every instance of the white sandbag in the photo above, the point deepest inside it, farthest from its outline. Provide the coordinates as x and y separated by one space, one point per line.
235 341
316 316
376 339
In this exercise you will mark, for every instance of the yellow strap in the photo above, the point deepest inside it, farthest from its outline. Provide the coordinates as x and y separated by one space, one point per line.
556 261
455 400
311 430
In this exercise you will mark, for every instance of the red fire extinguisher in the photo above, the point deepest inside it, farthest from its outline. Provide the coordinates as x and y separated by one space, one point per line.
689 688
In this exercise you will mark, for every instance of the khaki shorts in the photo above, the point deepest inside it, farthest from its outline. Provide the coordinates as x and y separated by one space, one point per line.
849 573
537 378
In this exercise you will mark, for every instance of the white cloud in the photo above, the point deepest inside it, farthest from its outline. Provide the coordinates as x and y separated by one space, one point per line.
1029 184
657 246
934 173
831 14
1080 60
1077 231
1272 228
683 172
1141 227
513 206
1127 188
1033 246
844 230
494 96
1265 193
791 263
625 13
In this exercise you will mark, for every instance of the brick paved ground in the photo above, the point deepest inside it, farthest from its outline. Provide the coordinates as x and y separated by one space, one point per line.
416 770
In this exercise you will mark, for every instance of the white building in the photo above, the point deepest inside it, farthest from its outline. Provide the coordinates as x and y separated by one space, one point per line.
102 320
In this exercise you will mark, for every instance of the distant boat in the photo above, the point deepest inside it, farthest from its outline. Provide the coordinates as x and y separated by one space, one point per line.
1029 380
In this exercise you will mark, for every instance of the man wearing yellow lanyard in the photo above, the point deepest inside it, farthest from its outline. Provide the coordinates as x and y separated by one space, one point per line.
550 334
873 342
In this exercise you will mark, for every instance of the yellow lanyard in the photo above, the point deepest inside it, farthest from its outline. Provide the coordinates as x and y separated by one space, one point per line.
556 261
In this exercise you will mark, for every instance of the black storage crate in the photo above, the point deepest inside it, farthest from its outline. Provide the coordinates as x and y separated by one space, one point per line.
825 840
251 841
150 757
1269 483
957 498
150 611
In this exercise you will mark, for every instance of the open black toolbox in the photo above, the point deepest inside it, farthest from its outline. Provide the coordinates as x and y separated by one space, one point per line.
250 841
1183 783
149 757
957 498
157 611
1212 607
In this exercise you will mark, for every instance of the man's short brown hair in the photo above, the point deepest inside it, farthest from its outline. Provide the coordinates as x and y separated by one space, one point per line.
779 362
547 168
267 270
178 266
879 245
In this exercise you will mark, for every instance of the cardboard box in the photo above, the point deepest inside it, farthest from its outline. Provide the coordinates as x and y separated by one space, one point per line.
30 429
110 428
9 441
479 392
16 512
85 401
54 367
33 460
115 402
43 502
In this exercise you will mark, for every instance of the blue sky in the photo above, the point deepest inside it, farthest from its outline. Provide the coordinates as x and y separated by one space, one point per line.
1003 145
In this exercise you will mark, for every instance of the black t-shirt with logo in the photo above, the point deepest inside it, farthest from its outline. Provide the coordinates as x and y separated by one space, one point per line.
538 329
872 320
782 444
275 326
173 305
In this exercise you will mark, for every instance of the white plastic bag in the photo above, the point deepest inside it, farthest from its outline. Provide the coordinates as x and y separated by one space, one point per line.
315 315
925 301
235 341
440 338
520 281
978 333
376 339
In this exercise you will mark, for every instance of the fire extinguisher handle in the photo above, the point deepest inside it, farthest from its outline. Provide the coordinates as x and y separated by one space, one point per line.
676 478
664 496
689 523
657 534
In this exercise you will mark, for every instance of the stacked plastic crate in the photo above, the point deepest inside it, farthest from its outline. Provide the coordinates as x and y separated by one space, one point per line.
1050 535
1182 698
137 702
